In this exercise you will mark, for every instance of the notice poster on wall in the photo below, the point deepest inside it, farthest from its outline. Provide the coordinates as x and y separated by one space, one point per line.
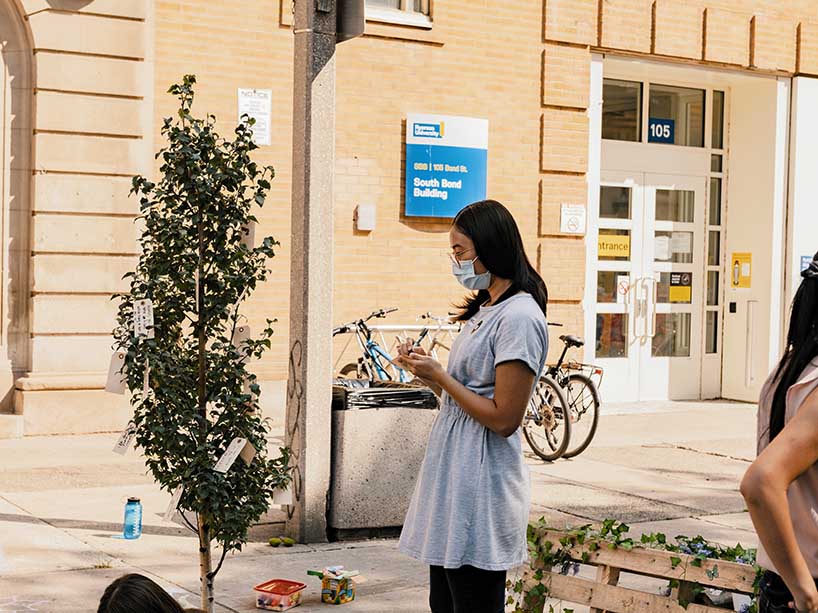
446 164
257 103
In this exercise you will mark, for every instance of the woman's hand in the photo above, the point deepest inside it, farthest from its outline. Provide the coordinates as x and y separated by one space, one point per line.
419 363
806 600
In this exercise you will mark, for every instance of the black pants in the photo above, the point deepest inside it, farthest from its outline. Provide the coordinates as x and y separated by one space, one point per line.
466 590
773 595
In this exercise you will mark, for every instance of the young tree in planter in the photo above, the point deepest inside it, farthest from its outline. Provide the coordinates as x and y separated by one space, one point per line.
191 391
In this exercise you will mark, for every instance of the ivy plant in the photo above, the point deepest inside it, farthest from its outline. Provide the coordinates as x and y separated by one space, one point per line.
191 389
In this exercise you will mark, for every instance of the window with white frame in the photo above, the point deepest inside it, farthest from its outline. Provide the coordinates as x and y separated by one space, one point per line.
404 12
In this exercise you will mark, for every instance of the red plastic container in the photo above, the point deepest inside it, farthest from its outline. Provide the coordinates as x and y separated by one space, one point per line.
278 594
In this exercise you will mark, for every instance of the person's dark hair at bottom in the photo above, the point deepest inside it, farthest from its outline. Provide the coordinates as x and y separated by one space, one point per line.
135 593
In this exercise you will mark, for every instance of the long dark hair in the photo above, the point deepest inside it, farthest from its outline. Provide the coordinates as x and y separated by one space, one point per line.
802 344
135 593
499 246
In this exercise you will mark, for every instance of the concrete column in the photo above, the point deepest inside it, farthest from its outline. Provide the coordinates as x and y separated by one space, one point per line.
802 218
309 392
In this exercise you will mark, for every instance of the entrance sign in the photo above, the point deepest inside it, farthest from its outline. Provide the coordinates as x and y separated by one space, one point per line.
614 246
741 272
681 287
661 130
572 218
257 103
446 164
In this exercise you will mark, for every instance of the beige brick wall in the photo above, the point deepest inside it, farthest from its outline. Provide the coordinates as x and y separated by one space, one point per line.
727 36
626 24
678 29
103 69
571 21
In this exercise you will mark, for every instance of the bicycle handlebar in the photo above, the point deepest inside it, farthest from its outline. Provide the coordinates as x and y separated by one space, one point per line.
380 313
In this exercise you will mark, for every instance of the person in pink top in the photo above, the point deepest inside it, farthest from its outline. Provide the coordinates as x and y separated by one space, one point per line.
781 486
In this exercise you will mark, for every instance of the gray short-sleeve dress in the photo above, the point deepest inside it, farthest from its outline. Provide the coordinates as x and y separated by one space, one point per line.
471 501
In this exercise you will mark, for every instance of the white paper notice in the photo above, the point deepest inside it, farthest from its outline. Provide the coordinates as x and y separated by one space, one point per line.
681 242
125 439
745 269
661 248
174 503
283 497
572 218
257 103
143 318
230 455
116 377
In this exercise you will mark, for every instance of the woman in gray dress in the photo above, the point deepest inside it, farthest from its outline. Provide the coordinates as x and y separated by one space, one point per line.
469 512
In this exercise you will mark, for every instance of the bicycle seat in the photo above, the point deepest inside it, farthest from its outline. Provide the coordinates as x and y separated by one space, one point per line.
572 341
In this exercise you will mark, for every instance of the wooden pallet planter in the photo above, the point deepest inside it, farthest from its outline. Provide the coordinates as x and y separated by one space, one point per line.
605 595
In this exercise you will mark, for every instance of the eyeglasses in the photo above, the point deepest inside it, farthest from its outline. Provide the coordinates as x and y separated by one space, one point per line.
455 257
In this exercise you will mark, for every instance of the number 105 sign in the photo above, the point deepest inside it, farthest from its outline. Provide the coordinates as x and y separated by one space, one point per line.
661 130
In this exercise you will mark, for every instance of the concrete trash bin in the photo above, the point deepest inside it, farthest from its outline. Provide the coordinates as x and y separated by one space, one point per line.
379 436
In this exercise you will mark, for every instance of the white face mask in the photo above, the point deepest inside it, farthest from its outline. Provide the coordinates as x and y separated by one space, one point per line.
465 275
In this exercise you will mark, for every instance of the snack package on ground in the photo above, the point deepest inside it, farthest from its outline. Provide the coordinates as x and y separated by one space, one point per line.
337 585
278 594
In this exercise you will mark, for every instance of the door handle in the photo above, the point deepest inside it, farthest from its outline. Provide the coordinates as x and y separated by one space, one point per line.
639 310
655 295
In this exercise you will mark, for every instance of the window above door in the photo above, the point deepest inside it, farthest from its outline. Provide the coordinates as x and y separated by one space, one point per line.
648 112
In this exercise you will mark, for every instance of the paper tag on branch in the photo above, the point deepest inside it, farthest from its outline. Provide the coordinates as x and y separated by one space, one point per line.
248 453
283 497
116 373
248 235
175 498
143 318
240 335
180 515
125 439
230 454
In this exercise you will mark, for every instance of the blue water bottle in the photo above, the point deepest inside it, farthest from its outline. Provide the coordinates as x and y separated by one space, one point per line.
133 519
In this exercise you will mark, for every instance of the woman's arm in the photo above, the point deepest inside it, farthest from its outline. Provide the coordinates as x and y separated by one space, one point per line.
502 414
764 488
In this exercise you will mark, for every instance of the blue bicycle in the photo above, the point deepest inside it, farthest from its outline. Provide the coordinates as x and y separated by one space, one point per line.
375 362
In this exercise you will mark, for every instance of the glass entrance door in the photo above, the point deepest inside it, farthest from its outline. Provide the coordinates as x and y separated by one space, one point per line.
649 294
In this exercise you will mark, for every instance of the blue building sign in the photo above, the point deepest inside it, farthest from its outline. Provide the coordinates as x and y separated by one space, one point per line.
446 164
661 130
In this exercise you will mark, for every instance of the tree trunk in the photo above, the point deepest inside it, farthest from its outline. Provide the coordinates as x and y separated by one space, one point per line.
205 564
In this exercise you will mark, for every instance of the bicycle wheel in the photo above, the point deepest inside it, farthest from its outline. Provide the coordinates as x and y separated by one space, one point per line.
545 426
353 371
583 406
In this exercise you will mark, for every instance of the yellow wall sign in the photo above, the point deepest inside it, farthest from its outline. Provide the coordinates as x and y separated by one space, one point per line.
741 270
614 246
681 287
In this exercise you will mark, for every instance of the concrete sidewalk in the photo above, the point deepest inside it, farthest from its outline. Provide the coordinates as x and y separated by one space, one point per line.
673 468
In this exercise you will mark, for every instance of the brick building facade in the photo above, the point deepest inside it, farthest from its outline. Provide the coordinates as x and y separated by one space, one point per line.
84 91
